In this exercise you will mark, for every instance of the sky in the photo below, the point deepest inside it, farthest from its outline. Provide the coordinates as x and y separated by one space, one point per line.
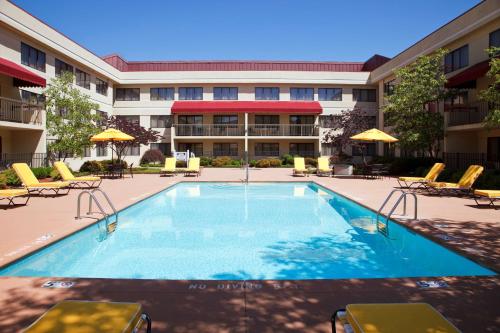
323 30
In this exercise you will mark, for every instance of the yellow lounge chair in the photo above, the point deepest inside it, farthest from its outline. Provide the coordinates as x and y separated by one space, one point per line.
299 167
11 194
193 167
392 318
431 176
490 195
92 317
169 168
323 167
32 184
464 185
76 182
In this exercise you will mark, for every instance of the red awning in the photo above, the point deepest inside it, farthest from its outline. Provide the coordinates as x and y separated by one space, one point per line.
294 107
471 73
25 77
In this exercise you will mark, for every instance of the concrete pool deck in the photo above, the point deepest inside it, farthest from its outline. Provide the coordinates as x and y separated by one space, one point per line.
471 303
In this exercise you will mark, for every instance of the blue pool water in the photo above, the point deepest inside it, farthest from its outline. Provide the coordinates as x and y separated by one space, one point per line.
232 231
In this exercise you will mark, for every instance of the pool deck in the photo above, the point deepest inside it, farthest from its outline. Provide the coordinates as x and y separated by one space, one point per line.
471 303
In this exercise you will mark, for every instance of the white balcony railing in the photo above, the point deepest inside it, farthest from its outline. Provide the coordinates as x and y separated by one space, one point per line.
282 130
19 112
209 130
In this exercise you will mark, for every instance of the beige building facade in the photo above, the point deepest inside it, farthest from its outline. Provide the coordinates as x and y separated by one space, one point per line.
187 101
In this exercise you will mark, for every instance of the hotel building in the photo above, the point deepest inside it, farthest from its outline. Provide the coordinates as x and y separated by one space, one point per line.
227 108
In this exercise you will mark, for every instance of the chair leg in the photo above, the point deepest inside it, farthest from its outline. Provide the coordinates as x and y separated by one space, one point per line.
333 319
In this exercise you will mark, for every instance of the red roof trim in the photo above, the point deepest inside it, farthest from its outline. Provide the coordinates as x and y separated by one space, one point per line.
26 77
289 107
476 71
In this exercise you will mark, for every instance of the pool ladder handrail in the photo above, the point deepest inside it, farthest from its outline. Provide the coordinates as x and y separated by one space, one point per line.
92 197
402 196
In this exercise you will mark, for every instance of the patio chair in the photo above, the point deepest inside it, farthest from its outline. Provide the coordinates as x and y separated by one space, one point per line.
11 194
76 182
431 176
169 168
193 167
464 185
323 167
32 184
490 195
392 318
90 317
299 167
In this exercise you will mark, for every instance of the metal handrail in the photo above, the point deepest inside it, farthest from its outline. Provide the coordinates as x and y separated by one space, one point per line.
107 199
92 197
402 196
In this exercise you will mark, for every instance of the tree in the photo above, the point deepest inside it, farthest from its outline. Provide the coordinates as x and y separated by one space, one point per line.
69 117
142 136
345 125
492 94
412 109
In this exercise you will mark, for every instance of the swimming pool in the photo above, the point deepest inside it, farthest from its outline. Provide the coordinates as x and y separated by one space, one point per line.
218 231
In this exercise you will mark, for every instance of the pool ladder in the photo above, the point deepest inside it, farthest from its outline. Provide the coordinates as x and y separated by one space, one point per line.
110 226
383 228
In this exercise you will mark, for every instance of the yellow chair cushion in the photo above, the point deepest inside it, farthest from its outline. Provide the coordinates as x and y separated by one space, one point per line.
404 317
323 164
13 193
49 184
413 179
444 185
299 164
88 317
86 179
193 164
488 193
24 173
169 164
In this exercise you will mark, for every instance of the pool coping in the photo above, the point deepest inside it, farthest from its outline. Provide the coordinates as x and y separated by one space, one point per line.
421 233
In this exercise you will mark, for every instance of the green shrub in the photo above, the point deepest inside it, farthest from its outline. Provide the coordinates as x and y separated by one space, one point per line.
3 181
205 161
54 174
264 163
311 161
287 159
236 163
152 156
107 163
11 178
252 163
180 164
274 163
91 166
42 172
222 161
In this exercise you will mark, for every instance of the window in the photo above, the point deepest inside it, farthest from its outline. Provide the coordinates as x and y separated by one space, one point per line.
225 149
162 94
163 121
189 125
225 93
103 116
302 94
161 146
364 95
267 119
495 39
32 98
302 149
330 94
222 120
190 93
389 87
101 87
130 119
456 59
82 79
86 152
134 150
267 149
367 149
195 148
302 120
101 150
32 57
61 66
128 94
328 121
460 98
267 93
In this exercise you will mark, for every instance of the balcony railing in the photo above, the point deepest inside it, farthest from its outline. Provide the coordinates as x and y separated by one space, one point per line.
461 161
282 130
34 160
472 113
209 130
19 112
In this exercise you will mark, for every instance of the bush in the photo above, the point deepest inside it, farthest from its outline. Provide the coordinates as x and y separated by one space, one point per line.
3 181
180 164
41 173
10 178
152 156
222 161
274 163
54 174
107 163
92 167
252 163
311 161
287 159
205 161
263 163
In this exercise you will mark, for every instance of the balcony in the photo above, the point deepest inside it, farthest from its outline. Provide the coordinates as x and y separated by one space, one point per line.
283 130
472 113
209 130
19 112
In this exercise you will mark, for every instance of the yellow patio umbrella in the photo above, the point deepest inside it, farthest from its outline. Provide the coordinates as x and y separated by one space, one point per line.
111 135
373 135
